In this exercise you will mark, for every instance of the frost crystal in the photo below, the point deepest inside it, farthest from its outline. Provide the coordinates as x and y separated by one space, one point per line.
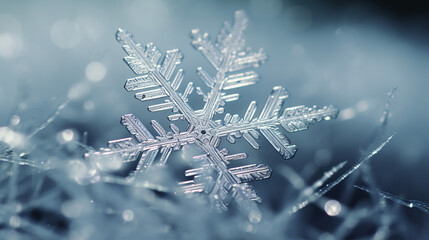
232 60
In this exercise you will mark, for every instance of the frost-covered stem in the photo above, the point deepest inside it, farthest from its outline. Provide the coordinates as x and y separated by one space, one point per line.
404 202
390 95
376 136
299 183
49 120
19 161
329 186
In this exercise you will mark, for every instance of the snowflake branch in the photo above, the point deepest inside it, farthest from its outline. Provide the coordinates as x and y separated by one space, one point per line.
293 119
227 55
144 61
229 182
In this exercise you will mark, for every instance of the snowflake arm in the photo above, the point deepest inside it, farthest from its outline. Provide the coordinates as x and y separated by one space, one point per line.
144 62
292 119
228 55
229 184
147 147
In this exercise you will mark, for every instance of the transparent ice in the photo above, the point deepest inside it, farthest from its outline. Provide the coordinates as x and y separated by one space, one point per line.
233 61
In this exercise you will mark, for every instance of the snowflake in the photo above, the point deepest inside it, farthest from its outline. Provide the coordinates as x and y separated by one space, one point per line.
231 58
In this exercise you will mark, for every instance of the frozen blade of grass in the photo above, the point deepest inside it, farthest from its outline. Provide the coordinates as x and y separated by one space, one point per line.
21 162
298 182
390 95
326 176
404 202
50 119
84 146
380 130
313 197
125 181
376 136
372 140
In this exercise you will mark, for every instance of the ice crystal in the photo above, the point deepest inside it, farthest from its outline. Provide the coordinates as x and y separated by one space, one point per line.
233 60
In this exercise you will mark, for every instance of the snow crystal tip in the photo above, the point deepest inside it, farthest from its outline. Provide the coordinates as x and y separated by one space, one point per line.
121 34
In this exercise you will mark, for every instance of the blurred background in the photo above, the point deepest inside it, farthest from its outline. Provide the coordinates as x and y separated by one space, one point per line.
345 53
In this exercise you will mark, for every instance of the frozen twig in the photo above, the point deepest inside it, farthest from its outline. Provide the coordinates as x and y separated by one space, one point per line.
402 201
49 120
313 197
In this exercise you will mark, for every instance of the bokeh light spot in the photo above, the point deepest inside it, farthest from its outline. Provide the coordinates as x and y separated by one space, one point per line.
347 114
15 119
332 208
10 45
128 215
67 135
95 71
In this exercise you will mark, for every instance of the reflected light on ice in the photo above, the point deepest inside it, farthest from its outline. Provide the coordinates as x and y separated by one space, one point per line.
255 216
12 138
112 163
67 135
81 173
332 208
128 215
